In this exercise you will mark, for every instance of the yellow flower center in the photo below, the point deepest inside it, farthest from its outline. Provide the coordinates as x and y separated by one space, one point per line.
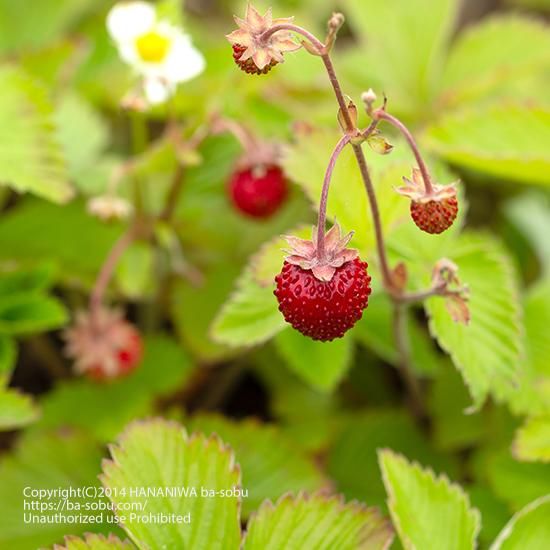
152 47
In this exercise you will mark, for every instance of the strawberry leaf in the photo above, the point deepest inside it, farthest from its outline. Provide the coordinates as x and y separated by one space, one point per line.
271 464
160 454
30 157
428 512
529 528
532 441
319 522
487 351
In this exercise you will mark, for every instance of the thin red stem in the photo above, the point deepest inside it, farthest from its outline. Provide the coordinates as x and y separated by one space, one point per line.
108 267
381 114
298 30
344 140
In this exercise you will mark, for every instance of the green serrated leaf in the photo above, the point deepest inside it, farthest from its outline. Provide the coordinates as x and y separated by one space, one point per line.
352 459
428 512
516 483
528 529
532 393
94 542
271 464
320 364
532 441
16 410
30 157
490 59
488 350
319 522
75 117
8 357
507 141
250 316
27 313
410 75
44 460
157 453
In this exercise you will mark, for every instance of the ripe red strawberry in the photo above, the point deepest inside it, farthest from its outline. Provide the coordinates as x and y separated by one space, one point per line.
432 211
258 191
434 216
103 345
323 298
248 65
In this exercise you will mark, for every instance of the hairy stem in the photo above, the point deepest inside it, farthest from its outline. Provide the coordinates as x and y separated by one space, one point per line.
404 364
324 196
319 46
380 114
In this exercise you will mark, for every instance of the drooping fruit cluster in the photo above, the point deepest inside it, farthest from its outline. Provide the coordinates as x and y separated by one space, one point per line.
103 345
255 50
258 191
433 211
323 297
434 216
248 65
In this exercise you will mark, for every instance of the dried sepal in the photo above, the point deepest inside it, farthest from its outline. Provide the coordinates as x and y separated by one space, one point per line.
352 113
379 144
445 278
415 189
305 253
249 38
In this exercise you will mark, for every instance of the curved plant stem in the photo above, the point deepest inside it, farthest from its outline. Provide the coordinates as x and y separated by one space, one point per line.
109 265
319 46
399 325
400 330
324 196
380 114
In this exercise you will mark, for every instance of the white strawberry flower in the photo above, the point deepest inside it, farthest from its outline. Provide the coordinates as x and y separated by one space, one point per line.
160 52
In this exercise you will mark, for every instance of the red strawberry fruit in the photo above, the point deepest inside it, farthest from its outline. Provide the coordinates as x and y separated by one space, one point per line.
432 211
256 50
103 345
259 191
248 65
323 297
434 216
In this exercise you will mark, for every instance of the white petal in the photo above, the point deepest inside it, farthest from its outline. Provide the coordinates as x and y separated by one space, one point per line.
184 61
127 20
157 91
